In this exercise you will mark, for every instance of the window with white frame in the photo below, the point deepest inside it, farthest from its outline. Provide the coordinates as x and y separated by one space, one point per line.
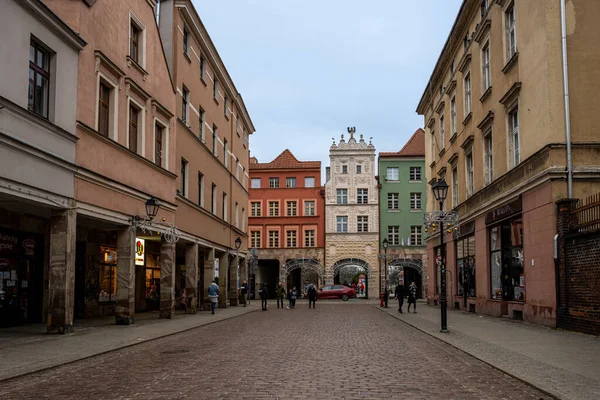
511 31
309 238
237 214
255 239
513 126
415 236
415 201
442 132
415 174
290 182
255 208
159 140
201 121
185 97
107 107
309 208
213 199
467 87
292 208
392 174
183 176
309 182
341 223
469 172
488 156
225 153
135 127
290 238
137 41
341 196
362 223
225 204
273 209
362 196
255 183
393 235
392 201
273 238
453 115
273 182
454 186
186 35
214 141
485 66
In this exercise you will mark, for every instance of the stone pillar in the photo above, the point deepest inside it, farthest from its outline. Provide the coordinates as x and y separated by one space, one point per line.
223 275
167 279
191 277
125 308
233 281
61 273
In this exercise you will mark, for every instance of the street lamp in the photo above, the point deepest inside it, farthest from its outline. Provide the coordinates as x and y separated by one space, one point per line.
238 244
440 190
385 292
152 208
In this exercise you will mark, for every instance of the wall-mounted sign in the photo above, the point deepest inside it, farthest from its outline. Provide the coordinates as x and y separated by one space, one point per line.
503 212
140 249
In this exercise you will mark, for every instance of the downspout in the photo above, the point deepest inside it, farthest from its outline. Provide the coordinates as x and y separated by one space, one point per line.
563 23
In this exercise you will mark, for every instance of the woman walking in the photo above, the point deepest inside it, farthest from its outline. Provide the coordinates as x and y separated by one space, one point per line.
412 297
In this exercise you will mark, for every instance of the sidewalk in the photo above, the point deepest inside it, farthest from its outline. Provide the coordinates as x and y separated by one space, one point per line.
29 349
563 364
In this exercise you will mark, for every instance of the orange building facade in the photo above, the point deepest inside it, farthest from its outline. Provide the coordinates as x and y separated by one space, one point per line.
286 223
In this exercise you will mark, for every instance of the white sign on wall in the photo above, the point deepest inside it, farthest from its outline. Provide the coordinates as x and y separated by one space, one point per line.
140 250
216 274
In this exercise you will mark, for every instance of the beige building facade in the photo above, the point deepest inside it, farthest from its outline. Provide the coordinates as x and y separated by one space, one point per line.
494 111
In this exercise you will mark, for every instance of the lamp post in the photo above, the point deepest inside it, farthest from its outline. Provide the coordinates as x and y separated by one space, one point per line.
253 261
385 292
238 244
440 190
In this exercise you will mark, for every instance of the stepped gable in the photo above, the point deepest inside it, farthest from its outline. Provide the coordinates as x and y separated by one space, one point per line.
286 160
415 147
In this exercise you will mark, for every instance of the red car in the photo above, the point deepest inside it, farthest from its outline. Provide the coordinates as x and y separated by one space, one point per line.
336 292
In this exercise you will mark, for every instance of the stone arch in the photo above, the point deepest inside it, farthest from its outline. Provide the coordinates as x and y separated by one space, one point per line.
311 264
362 264
413 263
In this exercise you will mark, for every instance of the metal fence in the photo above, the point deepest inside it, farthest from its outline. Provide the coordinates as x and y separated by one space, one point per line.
586 216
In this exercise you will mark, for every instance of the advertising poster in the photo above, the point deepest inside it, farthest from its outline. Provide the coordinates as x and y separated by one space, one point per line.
140 248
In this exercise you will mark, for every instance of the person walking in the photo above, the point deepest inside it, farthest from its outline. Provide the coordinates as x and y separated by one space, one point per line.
243 291
280 294
213 295
399 294
412 297
293 295
362 288
262 292
312 296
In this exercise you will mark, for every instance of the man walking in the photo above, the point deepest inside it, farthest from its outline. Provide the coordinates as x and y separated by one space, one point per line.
412 297
213 295
244 291
262 292
312 295
400 295
280 294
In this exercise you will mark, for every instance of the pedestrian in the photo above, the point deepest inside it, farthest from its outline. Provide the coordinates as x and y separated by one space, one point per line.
213 295
362 288
293 296
312 295
354 286
262 292
183 300
400 295
412 297
243 291
280 294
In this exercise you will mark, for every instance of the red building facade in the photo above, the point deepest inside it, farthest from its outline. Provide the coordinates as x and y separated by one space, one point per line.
286 223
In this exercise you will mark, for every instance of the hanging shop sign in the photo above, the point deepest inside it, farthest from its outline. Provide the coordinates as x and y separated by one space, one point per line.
140 249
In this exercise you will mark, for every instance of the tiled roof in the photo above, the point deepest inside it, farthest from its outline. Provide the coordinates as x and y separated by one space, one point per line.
415 147
286 160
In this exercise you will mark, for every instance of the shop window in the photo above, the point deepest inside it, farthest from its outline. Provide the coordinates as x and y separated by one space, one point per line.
465 266
506 263
108 274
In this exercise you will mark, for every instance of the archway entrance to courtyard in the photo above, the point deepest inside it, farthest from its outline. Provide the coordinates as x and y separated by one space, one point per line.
268 274
300 272
406 269
353 270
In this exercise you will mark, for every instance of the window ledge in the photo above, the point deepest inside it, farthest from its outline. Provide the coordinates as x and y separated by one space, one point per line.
442 152
511 62
393 210
453 138
132 63
215 100
226 117
416 210
203 81
432 164
187 57
486 94
419 181
467 118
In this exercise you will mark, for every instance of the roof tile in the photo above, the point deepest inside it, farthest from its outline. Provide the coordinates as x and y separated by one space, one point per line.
286 160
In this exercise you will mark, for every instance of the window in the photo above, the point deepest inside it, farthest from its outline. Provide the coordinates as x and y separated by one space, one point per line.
201 121
290 182
341 224
214 143
200 189
359 169
392 173
454 186
255 239
226 107
224 213
108 274
273 209
392 201
213 199
39 82
484 7
513 124
273 238
225 155
309 238
362 196
291 208
511 32
309 182
243 227
465 266
237 214
134 45
216 90
255 208
103 109
255 183
133 128
184 105
185 40
309 208
341 196
415 173
158 144
434 152
202 67
344 169
485 65
467 93
506 263
362 223
290 239
453 116
393 235
442 132
415 201
488 157
469 172
184 167
415 235
273 182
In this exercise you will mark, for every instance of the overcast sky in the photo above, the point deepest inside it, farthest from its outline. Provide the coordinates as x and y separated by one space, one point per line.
307 69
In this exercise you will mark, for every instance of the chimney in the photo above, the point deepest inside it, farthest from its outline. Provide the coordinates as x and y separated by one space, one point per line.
327 174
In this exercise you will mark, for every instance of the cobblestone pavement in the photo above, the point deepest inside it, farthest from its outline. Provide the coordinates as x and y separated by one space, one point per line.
337 351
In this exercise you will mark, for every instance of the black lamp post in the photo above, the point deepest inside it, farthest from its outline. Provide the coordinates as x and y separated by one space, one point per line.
385 292
440 190
238 244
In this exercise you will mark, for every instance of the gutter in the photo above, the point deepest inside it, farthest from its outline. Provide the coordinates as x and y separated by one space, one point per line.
563 23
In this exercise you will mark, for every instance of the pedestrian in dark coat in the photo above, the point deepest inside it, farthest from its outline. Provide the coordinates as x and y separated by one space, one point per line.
280 294
262 292
312 296
399 292
412 297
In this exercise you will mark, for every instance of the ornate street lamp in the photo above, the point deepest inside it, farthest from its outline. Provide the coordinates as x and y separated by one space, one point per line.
147 223
152 206
385 292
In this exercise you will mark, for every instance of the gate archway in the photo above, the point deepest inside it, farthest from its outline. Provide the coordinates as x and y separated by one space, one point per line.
358 264
411 269
308 266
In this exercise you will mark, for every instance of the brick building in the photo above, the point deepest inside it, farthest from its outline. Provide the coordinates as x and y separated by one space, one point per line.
287 221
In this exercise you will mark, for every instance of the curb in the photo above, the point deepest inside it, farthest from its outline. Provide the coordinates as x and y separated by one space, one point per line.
552 396
12 378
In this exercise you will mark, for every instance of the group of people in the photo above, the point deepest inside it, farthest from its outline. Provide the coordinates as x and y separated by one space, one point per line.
291 295
399 294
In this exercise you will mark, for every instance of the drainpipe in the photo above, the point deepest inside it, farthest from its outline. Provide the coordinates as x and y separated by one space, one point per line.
563 23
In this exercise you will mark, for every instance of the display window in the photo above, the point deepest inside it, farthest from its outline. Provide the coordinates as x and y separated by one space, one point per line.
506 261
465 266
152 280
108 274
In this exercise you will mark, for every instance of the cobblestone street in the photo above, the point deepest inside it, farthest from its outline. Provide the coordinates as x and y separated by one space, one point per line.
339 350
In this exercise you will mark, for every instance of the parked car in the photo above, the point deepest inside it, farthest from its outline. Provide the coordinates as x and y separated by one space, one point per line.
336 292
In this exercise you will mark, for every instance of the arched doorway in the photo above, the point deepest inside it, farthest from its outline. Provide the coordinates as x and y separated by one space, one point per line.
301 271
408 269
345 270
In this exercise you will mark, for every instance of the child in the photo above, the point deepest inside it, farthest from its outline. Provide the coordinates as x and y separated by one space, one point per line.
293 294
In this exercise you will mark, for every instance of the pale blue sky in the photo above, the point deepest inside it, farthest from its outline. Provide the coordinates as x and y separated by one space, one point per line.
307 69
